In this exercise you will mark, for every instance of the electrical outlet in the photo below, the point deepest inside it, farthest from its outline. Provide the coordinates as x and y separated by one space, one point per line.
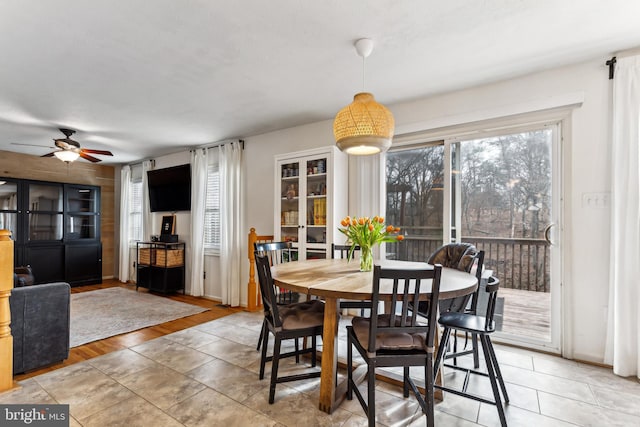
596 200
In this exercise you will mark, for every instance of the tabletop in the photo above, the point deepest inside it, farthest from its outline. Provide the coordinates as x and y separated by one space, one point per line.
339 278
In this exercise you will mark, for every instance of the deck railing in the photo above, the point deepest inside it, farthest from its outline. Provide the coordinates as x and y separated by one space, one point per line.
519 263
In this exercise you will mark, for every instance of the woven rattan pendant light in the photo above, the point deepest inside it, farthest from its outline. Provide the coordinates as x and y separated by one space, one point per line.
364 126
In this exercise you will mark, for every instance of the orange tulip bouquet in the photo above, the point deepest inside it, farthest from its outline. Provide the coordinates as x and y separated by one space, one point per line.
366 232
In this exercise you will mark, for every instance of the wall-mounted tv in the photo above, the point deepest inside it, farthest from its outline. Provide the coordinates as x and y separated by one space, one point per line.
170 189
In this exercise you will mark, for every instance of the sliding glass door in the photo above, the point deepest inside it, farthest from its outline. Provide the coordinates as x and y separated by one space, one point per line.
499 192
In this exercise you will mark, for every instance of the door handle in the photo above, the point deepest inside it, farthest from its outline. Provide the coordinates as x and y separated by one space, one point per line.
547 234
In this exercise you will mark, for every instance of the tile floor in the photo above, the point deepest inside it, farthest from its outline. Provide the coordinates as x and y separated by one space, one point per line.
207 376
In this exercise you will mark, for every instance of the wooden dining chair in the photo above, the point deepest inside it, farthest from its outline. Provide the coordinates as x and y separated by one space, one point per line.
483 327
277 253
293 321
400 338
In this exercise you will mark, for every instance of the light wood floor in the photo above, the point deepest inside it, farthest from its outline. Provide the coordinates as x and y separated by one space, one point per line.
119 342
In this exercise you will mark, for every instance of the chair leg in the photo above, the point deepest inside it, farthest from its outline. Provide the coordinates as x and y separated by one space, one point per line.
297 345
441 349
262 330
476 357
263 356
405 381
497 369
428 392
274 369
314 341
371 394
492 377
349 367
455 347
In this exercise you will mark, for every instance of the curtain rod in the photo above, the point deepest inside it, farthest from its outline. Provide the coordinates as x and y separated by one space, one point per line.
219 144
611 63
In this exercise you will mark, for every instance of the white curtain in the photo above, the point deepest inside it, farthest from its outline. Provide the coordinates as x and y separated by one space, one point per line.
147 226
623 342
199 164
231 196
125 186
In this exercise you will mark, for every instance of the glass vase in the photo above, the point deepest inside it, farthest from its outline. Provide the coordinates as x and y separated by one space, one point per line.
366 258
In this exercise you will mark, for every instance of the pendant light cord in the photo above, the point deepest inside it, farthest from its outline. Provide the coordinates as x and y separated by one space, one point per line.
363 59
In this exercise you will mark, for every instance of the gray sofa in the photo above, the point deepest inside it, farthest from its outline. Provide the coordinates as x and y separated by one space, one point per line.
40 320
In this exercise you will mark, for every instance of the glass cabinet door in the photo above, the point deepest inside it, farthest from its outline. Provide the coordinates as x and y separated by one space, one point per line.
9 207
45 212
82 211
316 203
290 202
81 199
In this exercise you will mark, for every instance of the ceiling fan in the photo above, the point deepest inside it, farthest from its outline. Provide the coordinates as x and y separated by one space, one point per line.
69 150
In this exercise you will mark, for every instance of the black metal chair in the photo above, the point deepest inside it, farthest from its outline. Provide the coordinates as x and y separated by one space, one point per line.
466 304
342 252
483 327
277 253
461 256
399 338
297 320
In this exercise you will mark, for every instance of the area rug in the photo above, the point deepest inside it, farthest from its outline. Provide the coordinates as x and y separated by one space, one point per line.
100 314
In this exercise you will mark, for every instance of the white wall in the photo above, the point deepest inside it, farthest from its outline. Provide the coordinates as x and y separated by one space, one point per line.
585 168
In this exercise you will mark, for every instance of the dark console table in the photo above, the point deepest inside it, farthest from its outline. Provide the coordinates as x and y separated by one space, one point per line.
160 266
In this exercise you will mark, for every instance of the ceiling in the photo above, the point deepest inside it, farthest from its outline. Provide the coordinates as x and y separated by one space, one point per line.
143 78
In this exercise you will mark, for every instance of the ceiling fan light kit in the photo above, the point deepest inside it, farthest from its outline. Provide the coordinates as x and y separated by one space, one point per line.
365 126
66 156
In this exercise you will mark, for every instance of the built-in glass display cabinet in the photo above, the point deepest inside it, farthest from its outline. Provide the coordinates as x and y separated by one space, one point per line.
310 200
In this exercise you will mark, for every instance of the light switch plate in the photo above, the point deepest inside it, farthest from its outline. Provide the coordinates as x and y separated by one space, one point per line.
596 200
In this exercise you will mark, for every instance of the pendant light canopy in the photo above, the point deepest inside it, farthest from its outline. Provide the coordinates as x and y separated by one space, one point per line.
364 126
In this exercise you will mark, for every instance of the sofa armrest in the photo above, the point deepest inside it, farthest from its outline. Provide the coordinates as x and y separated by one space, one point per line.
40 322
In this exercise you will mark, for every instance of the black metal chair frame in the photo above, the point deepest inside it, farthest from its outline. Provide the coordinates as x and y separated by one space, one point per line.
408 285
483 328
462 305
274 326
465 303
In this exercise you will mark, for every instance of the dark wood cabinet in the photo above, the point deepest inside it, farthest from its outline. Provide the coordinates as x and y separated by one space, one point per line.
56 229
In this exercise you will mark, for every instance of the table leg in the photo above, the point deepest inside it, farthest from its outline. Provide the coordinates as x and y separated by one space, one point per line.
329 355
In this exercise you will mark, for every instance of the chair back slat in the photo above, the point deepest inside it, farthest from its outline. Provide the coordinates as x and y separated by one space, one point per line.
479 266
492 289
343 251
267 289
408 286
277 252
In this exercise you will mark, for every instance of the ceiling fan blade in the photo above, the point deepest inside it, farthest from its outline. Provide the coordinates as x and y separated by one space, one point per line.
102 152
32 145
88 157
48 155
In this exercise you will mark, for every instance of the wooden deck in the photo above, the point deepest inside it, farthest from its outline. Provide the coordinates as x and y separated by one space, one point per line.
526 313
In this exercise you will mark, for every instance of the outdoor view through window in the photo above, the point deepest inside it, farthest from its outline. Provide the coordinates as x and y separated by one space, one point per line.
501 202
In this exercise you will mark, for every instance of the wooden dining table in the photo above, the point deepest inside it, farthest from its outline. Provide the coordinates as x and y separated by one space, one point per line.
336 279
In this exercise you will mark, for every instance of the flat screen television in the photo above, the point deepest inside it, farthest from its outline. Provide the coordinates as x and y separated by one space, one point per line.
170 189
